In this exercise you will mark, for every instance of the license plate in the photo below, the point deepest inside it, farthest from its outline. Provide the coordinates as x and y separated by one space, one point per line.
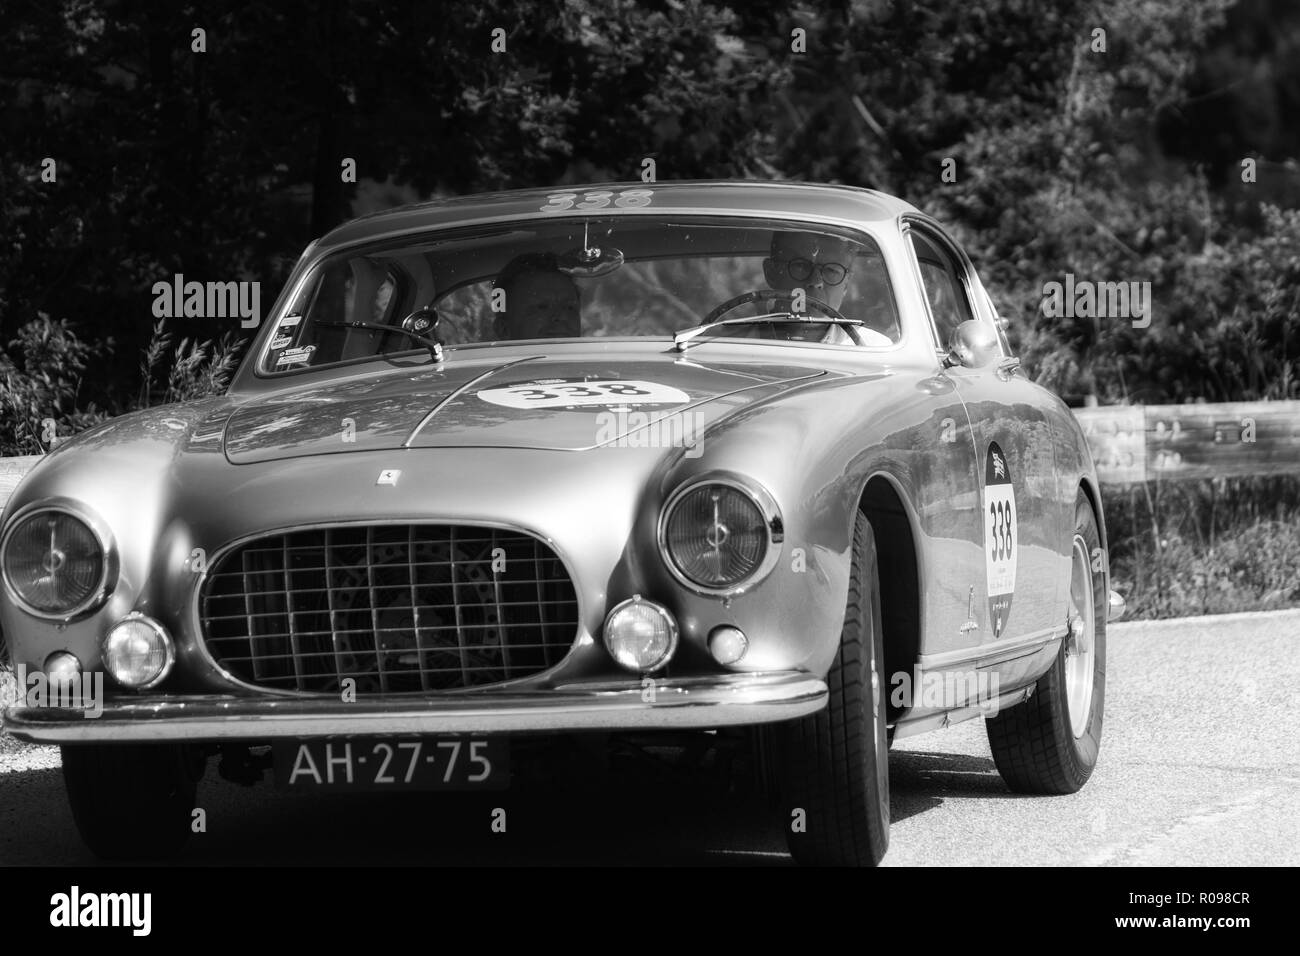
393 763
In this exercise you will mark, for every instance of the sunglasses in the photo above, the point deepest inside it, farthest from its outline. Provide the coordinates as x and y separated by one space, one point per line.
801 270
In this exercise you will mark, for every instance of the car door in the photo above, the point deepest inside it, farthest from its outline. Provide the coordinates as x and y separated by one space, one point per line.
1014 453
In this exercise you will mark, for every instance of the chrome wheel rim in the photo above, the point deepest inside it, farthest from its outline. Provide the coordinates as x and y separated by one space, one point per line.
1080 640
879 746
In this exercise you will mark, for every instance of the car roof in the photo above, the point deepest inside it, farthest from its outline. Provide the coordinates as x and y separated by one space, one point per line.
777 200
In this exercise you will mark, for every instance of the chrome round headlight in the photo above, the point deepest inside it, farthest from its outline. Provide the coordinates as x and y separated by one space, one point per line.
718 534
138 652
54 563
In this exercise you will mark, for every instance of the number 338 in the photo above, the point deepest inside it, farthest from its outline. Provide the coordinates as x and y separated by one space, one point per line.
599 199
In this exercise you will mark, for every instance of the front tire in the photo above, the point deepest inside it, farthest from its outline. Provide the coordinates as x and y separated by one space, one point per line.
132 801
833 765
1049 743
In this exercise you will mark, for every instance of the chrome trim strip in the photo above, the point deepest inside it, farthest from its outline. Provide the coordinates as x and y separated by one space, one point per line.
994 653
706 702
922 725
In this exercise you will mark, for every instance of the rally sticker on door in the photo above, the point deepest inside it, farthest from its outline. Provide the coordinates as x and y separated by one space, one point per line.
1000 536
583 393
299 356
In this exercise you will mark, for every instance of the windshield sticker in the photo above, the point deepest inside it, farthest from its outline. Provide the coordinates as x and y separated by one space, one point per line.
299 356
280 341
289 321
579 393
1000 536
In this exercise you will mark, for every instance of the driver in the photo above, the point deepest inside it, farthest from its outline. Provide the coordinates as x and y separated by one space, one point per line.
541 302
821 265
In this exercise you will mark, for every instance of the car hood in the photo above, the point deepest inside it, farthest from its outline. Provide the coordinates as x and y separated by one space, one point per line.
535 402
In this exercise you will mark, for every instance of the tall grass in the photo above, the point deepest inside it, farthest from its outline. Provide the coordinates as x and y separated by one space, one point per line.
43 366
193 370
1205 547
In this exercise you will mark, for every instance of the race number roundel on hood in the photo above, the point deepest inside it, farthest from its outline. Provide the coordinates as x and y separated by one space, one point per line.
583 394
1000 536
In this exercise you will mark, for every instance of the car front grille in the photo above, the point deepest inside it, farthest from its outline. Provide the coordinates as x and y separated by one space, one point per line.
397 608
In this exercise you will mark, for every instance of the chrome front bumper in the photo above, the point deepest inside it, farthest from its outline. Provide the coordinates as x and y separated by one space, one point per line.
687 702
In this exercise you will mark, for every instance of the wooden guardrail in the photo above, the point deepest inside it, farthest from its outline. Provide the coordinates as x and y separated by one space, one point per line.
12 471
1130 443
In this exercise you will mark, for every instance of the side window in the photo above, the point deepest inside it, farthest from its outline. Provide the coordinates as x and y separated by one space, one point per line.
346 290
944 290
998 321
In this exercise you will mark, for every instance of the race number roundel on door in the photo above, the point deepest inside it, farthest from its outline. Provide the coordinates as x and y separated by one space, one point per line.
1000 536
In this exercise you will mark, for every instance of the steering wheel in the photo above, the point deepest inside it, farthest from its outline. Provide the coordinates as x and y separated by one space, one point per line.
755 295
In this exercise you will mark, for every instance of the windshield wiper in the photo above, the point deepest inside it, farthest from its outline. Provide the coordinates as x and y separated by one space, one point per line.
682 338
433 345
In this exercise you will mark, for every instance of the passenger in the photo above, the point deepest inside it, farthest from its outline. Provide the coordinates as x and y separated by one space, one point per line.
541 302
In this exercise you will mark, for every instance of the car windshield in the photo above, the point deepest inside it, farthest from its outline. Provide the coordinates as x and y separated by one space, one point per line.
575 278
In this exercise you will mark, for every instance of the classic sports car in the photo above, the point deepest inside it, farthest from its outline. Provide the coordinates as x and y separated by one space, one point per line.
620 459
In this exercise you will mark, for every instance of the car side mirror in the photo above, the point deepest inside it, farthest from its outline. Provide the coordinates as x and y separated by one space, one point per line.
421 322
973 345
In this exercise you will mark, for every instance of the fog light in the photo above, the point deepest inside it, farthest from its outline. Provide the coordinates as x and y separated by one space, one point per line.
727 644
641 635
138 652
62 668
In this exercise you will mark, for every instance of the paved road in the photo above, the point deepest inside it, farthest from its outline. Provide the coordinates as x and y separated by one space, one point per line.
1200 765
